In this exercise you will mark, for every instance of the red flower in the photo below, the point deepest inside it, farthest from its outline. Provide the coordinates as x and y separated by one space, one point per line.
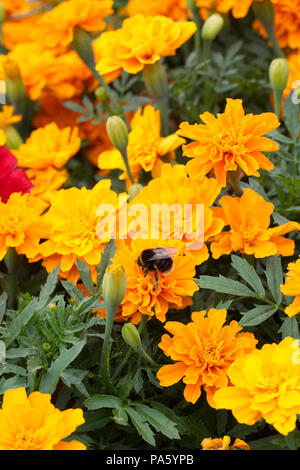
12 179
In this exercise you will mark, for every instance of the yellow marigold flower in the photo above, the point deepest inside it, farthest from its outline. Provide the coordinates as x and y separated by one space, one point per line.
248 233
33 423
223 444
73 221
175 9
58 24
140 41
48 146
144 295
21 226
145 148
14 6
292 288
239 9
265 384
203 350
46 182
287 23
174 189
7 117
230 140
19 31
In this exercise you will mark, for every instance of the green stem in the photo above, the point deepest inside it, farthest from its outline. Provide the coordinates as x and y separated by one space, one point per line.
126 162
272 37
197 38
163 106
105 367
278 101
11 261
110 316
235 181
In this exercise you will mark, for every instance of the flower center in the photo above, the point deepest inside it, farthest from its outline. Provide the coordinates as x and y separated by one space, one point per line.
26 441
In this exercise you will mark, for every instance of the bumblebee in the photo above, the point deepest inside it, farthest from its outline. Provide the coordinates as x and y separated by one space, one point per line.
157 259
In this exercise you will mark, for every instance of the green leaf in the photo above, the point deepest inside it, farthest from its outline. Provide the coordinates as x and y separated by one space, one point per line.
291 116
225 286
50 379
85 275
3 300
74 107
72 290
102 401
257 315
108 253
120 416
142 428
274 277
49 286
20 320
290 328
248 273
159 421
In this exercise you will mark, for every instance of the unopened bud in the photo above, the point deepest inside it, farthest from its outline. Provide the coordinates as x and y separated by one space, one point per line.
100 93
15 89
2 13
46 347
279 74
51 307
117 132
155 78
114 287
212 27
134 190
131 336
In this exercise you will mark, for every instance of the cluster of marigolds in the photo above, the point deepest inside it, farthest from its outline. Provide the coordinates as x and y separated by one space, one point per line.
57 226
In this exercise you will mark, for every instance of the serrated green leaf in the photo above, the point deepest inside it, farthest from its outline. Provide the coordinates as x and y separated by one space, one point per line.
225 286
72 290
49 286
120 417
142 428
257 315
50 379
274 277
290 328
159 421
20 320
102 401
85 275
248 273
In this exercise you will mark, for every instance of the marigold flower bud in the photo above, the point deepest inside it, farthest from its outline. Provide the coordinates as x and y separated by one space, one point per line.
212 27
100 93
131 336
114 287
155 79
279 74
134 190
117 132
51 307
15 89
46 347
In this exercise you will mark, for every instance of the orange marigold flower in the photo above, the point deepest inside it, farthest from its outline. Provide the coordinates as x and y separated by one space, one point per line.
44 71
248 233
33 423
292 288
203 350
223 444
140 41
229 141
72 234
58 24
174 189
46 182
265 384
175 9
144 296
21 224
145 145
287 23
48 146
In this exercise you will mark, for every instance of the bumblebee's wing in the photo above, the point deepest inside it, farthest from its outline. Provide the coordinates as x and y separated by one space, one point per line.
162 253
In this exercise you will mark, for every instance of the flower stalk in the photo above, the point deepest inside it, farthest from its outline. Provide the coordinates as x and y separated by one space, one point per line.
265 13
196 18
